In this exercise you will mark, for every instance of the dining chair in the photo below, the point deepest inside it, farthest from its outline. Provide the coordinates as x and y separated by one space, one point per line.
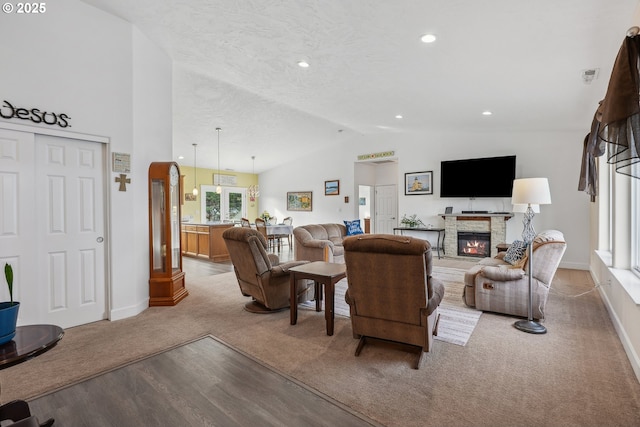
245 222
261 226
288 221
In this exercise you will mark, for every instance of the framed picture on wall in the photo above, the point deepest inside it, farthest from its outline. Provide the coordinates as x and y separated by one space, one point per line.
332 188
418 183
299 200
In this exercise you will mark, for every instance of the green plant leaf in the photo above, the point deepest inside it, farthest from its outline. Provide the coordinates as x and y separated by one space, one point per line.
8 274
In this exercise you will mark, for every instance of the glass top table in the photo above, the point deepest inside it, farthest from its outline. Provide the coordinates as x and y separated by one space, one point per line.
29 342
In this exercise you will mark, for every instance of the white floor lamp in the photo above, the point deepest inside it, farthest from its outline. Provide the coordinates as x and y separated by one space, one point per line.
530 192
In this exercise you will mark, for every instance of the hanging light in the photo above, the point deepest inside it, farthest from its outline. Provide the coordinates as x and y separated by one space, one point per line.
254 189
218 188
195 172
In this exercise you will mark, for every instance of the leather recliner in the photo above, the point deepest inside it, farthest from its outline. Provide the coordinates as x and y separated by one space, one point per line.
391 293
260 274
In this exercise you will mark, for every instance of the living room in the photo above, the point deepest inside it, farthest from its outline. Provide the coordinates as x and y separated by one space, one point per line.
121 89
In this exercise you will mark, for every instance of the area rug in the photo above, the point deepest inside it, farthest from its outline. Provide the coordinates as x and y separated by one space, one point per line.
457 321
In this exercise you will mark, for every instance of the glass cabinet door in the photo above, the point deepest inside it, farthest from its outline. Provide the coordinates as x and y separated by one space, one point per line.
175 228
159 254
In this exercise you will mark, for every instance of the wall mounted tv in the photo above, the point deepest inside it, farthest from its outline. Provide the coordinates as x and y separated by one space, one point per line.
484 177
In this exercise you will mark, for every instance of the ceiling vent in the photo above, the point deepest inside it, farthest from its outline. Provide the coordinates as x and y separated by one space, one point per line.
590 75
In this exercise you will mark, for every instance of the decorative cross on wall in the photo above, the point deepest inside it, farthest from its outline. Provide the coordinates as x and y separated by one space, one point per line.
123 180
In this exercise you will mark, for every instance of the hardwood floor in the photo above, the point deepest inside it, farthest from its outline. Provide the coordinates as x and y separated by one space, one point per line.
202 383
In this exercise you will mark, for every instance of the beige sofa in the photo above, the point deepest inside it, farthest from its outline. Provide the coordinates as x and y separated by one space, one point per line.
496 285
319 242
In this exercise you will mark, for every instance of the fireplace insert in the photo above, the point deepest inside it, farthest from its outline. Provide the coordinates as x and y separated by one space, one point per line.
474 244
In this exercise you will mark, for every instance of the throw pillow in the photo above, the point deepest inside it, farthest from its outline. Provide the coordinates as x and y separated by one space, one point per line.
516 252
353 227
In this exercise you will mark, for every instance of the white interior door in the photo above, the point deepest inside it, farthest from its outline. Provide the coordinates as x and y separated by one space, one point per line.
55 210
70 218
17 216
386 207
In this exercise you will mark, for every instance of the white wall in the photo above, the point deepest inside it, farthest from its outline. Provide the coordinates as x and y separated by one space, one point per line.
112 82
555 155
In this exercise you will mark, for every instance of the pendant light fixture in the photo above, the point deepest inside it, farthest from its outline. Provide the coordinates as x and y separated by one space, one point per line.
254 189
218 188
195 172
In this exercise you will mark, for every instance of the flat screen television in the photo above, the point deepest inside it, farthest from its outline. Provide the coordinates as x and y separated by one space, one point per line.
483 177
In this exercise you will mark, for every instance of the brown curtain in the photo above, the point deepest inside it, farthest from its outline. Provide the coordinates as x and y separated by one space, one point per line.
593 147
616 123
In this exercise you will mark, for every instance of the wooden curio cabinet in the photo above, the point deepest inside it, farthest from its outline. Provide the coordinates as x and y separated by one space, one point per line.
166 282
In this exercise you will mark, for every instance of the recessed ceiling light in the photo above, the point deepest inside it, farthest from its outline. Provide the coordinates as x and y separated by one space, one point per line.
399 116
180 157
428 38
487 113
303 64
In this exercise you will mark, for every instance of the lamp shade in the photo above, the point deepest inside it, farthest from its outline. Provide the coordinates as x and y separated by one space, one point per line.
531 191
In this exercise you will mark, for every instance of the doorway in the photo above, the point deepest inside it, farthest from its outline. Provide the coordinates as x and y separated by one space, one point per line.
230 205
377 186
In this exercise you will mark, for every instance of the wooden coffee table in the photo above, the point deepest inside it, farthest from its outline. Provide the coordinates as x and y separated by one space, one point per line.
322 273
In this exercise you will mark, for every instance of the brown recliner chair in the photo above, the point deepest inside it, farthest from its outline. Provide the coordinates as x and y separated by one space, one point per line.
391 293
260 274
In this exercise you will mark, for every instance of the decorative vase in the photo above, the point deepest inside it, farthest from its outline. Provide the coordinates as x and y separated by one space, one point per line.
8 320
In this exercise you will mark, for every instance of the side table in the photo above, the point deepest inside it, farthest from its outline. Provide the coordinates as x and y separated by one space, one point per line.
439 239
322 273
29 342
502 247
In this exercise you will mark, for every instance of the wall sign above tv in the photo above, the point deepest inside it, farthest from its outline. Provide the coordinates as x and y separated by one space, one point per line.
482 177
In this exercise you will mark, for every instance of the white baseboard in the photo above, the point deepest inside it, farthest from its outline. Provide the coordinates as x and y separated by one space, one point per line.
132 310
574 265
627 344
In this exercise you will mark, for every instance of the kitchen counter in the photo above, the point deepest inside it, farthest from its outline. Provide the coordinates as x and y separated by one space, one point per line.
205 240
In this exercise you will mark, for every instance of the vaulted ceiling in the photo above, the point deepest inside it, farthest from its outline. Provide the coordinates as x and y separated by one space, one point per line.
236 67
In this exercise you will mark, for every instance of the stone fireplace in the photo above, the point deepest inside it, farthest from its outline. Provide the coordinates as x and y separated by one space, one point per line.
492 225
474 244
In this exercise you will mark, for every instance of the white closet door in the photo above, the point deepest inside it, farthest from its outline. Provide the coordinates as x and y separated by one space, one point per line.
52 227
17 217
70 228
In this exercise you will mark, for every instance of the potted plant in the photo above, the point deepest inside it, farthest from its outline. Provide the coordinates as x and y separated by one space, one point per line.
412 222
8 310
266 216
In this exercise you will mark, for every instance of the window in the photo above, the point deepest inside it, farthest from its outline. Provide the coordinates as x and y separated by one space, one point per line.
229 206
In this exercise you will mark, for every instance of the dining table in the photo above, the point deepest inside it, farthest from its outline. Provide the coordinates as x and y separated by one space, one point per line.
278 231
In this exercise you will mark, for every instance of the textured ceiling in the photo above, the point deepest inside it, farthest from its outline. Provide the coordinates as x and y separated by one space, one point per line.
235 68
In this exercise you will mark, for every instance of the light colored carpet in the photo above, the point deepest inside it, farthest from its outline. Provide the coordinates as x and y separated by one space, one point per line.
457 321
575 375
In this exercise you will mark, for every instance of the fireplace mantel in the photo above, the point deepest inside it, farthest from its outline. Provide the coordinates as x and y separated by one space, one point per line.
478 216
494 223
